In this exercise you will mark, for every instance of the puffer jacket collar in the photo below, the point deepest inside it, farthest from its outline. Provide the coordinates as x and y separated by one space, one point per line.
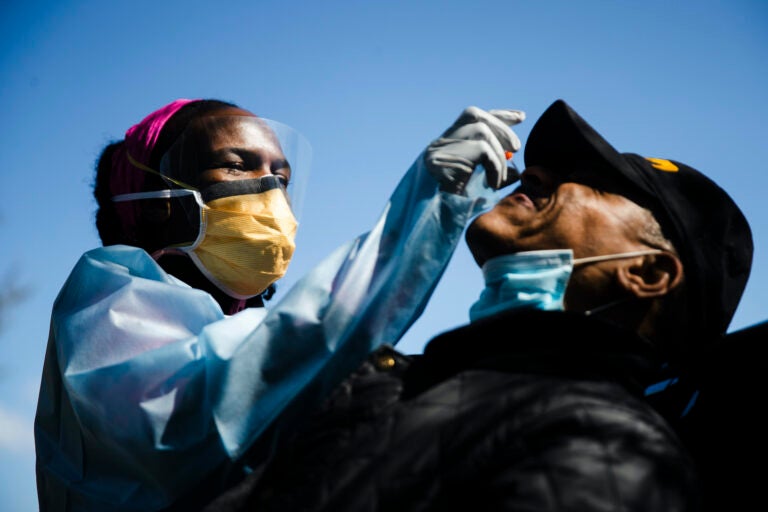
544 342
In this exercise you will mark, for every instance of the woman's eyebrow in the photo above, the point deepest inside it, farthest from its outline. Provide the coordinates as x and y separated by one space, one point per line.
230 151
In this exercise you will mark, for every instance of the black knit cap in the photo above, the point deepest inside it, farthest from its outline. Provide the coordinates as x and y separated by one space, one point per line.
708 230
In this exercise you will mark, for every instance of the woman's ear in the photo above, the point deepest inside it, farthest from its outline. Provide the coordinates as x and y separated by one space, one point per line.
155 211
153 224
652 275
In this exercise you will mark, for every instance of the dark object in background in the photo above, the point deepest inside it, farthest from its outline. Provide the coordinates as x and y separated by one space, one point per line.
727 428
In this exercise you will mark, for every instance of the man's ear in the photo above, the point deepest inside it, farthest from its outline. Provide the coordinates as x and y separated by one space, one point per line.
652 275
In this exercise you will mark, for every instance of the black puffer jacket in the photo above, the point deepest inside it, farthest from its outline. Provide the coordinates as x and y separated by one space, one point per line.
532 411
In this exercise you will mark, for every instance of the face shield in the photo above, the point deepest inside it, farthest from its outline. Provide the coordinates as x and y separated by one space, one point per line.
235 185
215 151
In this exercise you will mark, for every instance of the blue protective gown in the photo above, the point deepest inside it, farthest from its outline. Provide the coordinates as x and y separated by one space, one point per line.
147 386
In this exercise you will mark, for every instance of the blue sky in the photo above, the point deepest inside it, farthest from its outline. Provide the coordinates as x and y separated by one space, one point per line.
369 84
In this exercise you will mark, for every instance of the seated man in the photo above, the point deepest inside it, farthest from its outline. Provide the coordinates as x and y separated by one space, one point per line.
606 273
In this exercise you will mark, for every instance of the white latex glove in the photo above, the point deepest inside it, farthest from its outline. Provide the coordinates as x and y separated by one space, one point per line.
476 137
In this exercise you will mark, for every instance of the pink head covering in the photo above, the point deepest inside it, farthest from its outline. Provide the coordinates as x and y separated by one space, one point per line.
140 140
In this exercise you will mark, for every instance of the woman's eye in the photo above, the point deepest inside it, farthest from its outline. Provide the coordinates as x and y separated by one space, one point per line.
238 166
283 180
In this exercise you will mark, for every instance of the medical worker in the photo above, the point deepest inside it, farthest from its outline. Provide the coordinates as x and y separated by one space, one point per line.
163 368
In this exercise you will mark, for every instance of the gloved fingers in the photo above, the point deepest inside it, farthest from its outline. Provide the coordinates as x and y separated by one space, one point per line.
507 116
484 145
510 142
449 167
477 137
510 118
459 154
463 154
498 120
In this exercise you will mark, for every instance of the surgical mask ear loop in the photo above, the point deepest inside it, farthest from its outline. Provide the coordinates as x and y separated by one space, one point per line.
607 257
600 309
621 255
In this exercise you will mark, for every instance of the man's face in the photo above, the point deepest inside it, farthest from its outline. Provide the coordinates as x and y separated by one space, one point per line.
552 211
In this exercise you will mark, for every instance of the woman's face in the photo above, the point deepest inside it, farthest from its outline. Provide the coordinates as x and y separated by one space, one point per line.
226 145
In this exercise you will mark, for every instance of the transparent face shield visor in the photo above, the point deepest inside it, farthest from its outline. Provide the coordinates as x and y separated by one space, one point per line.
215 152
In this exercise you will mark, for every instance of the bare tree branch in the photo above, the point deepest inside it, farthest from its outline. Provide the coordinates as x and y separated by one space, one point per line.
11 294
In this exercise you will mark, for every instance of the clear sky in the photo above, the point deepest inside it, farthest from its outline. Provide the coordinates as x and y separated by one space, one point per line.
370 84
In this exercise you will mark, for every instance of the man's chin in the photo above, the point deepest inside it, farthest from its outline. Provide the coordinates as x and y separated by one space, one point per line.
485 240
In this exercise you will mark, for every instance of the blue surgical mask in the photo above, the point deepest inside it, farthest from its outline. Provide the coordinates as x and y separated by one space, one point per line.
532 279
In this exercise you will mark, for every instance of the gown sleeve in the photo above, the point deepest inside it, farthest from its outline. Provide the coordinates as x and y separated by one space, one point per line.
147 386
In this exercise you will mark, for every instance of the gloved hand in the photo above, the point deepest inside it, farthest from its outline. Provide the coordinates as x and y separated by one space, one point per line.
476 137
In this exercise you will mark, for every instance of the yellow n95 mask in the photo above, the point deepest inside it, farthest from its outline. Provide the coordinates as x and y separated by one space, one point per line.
246 233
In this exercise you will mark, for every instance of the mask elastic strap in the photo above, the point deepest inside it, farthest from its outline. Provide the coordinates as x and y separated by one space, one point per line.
622 255
154 194
606 257
168 250
162 194
143 167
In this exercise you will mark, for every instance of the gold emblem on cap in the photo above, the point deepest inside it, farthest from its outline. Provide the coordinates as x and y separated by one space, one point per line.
385 362
662 165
